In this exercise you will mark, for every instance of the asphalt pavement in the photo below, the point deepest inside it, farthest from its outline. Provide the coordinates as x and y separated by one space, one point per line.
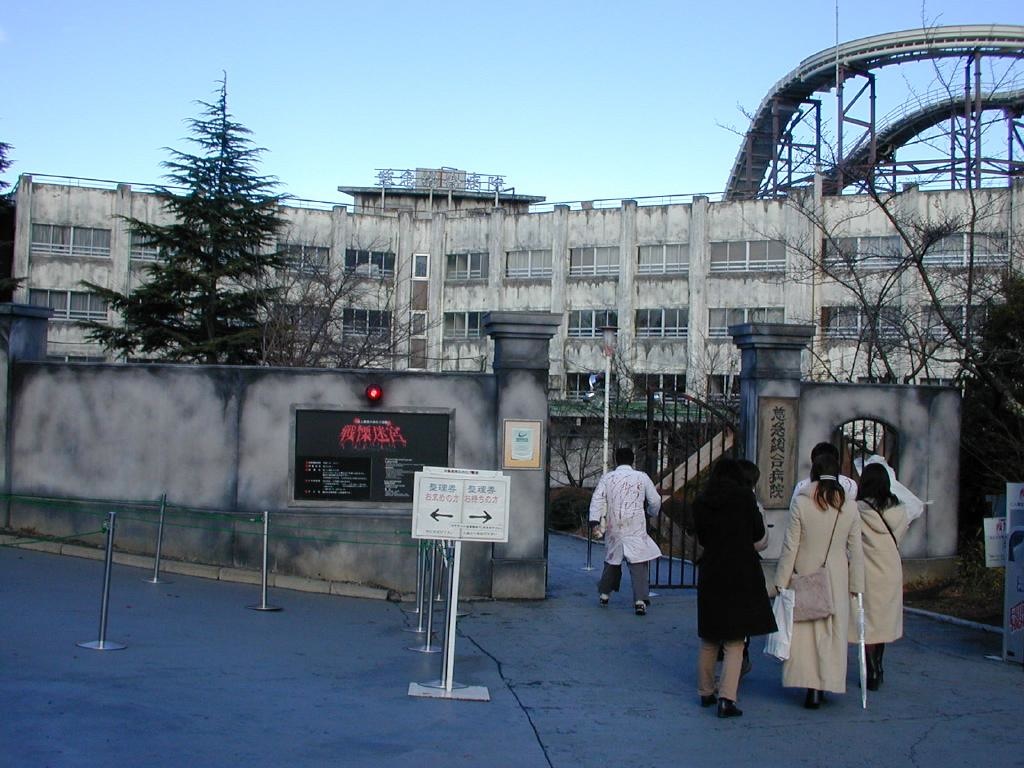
204 681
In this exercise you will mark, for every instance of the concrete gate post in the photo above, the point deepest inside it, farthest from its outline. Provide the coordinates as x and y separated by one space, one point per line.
769 367
521 364
22 337
769 412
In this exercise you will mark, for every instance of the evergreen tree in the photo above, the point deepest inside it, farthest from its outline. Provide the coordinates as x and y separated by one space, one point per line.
206 299
4 165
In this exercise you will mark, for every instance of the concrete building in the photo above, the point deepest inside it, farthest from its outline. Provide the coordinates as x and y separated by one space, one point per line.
672 275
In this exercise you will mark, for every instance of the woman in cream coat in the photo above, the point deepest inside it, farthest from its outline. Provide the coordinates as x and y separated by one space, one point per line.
884 521
823 527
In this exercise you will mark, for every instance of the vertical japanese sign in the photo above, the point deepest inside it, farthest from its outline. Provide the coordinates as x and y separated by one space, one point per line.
776 450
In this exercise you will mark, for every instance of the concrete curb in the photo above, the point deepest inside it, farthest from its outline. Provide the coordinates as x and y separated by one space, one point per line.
953 620
213 572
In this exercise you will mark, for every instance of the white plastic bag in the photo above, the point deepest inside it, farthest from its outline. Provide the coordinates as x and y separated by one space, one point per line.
914 505
777 643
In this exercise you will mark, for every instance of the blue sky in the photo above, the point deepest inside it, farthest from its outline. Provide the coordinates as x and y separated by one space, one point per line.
566 100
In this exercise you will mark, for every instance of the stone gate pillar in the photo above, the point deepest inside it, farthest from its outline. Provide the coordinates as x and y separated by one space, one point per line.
769 410
521 364
22 337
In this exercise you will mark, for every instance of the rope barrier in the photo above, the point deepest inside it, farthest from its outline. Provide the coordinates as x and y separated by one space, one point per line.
281 531
37 539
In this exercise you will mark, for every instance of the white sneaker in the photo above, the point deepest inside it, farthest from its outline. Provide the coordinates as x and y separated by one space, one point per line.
640 608
603 598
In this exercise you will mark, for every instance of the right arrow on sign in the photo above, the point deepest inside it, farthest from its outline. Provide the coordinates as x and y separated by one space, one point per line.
485 517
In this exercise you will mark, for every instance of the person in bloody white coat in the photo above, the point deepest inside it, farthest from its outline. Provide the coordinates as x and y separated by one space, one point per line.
823 530
620 498
884 521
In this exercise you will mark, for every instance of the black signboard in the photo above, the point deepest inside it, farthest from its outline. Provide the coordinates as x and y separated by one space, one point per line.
365 455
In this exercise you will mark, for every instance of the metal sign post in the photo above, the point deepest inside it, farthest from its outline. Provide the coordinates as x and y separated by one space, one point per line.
457 505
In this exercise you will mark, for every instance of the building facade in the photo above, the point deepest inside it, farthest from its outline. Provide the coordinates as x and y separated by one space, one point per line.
672 276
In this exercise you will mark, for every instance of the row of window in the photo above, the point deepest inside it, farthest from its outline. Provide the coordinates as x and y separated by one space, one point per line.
667 258
886 252
665 387
69 305
851 322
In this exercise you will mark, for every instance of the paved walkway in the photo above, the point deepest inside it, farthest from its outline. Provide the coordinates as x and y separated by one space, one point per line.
205 682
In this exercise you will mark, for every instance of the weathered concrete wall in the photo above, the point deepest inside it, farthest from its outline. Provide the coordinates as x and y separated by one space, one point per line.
927 420
220 439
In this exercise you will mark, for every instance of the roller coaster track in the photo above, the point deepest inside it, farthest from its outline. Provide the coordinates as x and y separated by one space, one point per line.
898 132
818 73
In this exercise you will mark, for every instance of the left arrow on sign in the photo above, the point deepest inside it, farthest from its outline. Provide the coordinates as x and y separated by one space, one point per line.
437 513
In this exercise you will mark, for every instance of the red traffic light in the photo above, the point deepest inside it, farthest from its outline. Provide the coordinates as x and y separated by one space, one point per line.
374 393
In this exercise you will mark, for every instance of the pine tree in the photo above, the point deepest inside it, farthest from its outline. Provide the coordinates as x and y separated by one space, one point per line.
206 299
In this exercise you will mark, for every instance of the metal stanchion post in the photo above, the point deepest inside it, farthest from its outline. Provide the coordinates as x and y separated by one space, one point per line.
590 546
263 582
421 558
429 604
159 544
102 644
421 591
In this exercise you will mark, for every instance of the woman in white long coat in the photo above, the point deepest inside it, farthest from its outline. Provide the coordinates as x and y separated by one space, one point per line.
884 521
823 529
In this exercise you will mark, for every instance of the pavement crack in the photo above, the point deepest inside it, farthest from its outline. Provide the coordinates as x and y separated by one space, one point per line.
515 695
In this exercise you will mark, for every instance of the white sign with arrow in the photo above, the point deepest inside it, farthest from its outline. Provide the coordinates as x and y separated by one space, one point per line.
460 505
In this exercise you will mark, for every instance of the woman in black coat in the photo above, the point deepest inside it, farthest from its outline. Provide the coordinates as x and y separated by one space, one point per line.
732 601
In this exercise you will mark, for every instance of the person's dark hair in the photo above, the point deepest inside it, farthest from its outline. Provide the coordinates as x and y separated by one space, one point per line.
825 449
875 488
825 472
624 456
751 472
727 472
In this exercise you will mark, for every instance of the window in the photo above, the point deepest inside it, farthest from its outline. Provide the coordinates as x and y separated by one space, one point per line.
418 324
720 319
594 260
370 263
588 386
662 323
875 252
526 264
305 259
723 385
663 259
846 322
748 256
587 323
462 325
467 266
142 248
420 266
366 322
969 322
70 305
70 241
305 319
670 386
954 250
417 353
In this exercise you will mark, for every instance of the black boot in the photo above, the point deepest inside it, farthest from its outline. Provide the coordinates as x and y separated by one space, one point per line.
879 650
727 708
871 657
813 699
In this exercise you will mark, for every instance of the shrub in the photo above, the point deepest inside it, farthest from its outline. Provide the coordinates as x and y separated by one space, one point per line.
569 508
